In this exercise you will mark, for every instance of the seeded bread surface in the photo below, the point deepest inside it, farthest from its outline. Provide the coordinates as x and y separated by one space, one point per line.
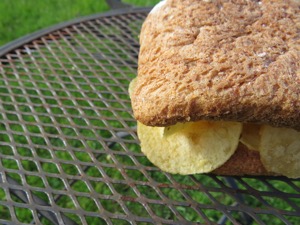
220 60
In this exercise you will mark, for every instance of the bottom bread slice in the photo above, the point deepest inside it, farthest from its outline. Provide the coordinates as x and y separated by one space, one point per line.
243 162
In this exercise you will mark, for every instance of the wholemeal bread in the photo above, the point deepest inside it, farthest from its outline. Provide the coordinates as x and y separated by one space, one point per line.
221 60
231 60
243 162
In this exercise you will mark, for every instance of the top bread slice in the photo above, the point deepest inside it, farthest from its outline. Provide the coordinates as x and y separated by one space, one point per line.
220 60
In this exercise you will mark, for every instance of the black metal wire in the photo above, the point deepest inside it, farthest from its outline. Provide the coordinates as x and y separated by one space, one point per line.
22 195
245 219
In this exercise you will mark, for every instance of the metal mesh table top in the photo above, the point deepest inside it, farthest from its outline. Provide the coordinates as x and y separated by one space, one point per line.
69 152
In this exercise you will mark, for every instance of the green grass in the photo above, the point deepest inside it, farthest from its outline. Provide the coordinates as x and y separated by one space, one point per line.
20 17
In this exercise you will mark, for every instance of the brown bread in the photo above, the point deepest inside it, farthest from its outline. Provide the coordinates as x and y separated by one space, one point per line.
220 60
243 162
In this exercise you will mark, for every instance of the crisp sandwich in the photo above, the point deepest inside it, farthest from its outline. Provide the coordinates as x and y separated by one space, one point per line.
220 67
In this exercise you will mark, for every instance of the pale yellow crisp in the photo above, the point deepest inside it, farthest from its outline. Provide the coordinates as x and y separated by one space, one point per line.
280 151
190 148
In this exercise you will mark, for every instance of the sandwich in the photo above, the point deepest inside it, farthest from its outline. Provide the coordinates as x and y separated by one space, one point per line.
218 87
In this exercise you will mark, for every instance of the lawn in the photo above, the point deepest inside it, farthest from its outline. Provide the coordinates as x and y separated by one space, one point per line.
21 17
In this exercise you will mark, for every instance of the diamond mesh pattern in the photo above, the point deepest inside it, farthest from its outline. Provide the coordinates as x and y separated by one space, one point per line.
69 152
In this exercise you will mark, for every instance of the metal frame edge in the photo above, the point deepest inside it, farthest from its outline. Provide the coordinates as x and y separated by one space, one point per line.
39 33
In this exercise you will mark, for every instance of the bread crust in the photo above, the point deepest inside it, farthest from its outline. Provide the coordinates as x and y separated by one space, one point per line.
243 162
234 60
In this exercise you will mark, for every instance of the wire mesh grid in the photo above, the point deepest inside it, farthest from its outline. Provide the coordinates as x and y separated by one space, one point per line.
69 152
